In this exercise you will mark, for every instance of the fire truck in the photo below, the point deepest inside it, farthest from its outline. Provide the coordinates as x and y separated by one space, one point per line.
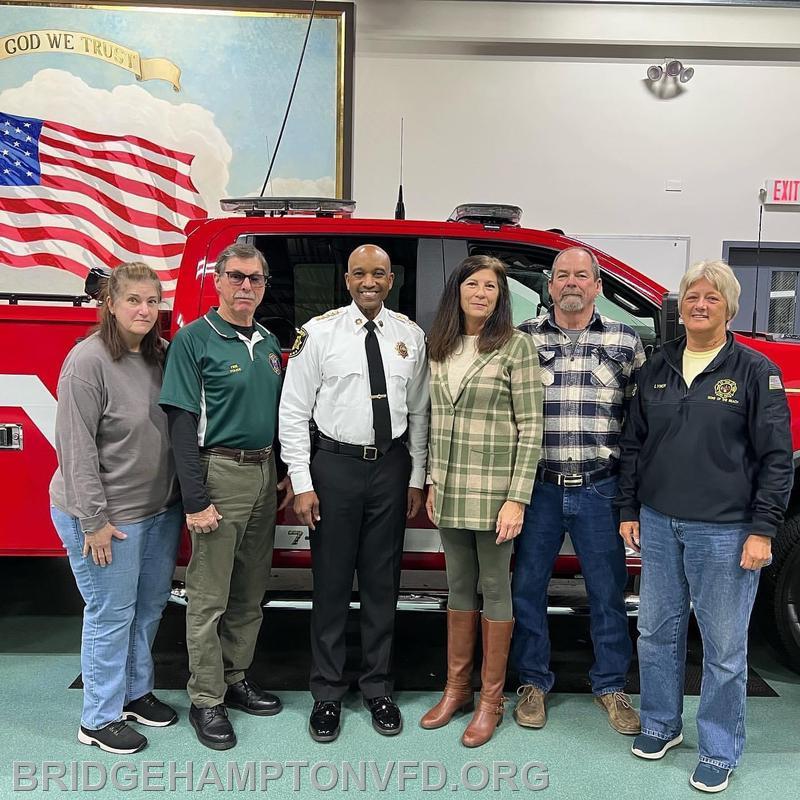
306 243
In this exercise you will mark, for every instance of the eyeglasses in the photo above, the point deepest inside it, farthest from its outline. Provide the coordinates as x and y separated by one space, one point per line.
257 280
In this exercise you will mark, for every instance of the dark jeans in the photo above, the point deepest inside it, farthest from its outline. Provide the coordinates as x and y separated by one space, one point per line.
593 525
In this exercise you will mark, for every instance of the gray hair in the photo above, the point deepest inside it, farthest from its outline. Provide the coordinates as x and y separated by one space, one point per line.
720 276
576 249
245 252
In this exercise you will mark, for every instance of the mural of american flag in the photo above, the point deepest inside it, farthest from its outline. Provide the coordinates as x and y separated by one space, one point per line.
73 199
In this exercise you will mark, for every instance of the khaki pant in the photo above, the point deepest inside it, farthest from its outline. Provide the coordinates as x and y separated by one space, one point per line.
227 576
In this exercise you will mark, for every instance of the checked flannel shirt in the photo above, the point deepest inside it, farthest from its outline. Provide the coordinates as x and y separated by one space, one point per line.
586 389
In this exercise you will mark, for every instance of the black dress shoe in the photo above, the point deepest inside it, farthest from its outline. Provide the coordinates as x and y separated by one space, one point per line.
323 725
248 697
386 718
213 727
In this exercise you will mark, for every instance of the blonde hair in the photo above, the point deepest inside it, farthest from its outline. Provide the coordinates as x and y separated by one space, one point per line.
152 348
720 276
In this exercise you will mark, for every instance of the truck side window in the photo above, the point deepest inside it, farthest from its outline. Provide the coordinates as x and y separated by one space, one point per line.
307 277
621 303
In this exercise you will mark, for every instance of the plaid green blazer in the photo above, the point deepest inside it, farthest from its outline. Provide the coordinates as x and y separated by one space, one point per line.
484 442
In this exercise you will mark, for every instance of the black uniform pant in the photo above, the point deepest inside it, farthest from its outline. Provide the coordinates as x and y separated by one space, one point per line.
363 509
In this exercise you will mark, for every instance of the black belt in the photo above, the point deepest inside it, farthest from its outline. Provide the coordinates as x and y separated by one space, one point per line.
366 452
574 481
242 456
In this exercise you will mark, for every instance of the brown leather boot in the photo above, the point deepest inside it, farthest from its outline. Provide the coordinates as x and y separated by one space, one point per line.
462 631
489 713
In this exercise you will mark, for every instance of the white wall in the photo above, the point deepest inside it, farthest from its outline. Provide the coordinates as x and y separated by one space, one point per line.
544 106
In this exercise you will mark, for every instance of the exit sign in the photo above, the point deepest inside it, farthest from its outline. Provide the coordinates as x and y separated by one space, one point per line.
783 192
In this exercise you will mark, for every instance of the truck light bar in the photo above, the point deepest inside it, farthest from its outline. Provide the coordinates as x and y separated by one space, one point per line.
490 215
285 206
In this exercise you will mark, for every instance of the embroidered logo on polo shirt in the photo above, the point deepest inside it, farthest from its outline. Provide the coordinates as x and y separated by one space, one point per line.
275 363
233 368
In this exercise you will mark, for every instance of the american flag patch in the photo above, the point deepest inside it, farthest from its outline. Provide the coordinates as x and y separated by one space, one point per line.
775 382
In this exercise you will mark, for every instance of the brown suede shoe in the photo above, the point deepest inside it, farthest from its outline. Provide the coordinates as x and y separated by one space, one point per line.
622 716
530 711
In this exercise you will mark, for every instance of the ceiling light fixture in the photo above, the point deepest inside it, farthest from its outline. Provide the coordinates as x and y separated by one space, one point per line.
672 68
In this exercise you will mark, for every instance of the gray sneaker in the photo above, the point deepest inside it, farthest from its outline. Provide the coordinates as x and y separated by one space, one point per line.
530 711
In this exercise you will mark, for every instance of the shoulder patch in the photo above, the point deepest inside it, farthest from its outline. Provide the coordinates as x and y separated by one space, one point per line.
299 342
775 382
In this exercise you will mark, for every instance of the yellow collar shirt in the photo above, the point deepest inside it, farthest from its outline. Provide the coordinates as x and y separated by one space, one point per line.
695 362
327 380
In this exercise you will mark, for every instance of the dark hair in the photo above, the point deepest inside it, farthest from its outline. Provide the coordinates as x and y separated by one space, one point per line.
243 251
152 347
448 325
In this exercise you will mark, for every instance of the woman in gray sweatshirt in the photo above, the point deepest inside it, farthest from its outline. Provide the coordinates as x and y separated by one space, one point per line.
115 506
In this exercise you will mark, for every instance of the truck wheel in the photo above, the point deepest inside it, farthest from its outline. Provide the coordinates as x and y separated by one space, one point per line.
782 579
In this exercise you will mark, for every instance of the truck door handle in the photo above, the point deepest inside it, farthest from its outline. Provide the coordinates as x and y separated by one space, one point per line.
10 436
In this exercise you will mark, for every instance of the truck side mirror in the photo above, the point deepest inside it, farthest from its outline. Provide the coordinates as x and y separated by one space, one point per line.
671 325
96 281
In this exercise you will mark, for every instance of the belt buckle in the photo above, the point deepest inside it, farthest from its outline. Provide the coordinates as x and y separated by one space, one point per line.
572 481
370 453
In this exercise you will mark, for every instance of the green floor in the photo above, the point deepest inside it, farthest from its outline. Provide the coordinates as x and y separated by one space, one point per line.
582 756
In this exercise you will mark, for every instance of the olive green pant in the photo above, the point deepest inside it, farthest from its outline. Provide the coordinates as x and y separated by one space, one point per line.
473 558
227 576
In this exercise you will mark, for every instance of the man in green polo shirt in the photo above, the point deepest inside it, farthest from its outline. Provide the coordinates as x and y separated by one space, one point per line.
222 384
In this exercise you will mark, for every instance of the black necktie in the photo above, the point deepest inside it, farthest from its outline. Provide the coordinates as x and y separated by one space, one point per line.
381 418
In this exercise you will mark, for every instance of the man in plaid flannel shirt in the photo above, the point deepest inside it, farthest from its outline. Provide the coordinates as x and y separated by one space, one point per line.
588 369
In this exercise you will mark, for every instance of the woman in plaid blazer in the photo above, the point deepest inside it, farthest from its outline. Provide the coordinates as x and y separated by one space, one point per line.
486 430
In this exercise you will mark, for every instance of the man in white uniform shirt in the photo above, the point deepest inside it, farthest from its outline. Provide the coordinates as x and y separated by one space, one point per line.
361 374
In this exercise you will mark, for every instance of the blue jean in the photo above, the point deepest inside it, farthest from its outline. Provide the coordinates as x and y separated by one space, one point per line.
124 602
593 524
687 562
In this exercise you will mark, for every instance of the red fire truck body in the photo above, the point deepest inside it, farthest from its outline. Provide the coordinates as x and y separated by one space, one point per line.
307 257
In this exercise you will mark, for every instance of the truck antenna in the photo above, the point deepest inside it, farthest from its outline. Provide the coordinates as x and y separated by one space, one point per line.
269 155
762 195
400 209
291 97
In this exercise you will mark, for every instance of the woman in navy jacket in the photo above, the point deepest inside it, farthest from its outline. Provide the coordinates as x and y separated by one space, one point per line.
705 477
